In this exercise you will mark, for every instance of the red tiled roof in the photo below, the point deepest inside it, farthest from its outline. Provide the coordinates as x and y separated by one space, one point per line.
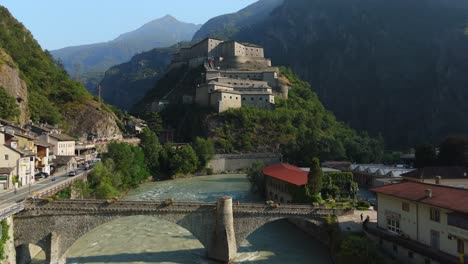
287 173
442 196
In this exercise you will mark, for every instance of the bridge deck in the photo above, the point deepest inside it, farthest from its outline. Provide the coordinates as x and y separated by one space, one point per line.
182 207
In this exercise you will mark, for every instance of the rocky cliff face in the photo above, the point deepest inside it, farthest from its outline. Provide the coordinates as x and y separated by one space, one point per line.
91 118
14 85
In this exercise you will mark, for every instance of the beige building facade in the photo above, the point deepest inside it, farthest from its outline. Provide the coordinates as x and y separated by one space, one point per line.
425 214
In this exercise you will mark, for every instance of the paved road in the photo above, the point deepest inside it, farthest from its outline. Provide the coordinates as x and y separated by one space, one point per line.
9 197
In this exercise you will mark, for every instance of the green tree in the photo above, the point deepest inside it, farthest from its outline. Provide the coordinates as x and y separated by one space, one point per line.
8 107
356 249
205 151
151 148
184 160
154 121
454 151
315 177
425 155
256 178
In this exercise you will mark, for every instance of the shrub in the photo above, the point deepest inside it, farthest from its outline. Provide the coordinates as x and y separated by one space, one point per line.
363 203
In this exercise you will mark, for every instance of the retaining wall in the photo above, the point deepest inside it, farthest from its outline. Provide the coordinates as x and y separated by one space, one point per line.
240 162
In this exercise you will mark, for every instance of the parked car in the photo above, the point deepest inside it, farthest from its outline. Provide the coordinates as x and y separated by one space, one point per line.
41 175
72 173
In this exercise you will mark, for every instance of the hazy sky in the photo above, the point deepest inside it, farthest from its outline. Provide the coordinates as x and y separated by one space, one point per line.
61 23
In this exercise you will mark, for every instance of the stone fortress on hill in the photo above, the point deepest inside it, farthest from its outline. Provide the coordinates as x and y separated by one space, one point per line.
237 74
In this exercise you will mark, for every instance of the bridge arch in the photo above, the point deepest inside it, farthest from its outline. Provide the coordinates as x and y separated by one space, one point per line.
26 252
34 227
124 228
246 224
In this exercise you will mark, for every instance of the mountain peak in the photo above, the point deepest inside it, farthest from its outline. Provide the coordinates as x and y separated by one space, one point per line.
168 18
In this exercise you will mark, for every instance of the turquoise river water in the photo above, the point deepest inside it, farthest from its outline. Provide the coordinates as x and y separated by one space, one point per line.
142 239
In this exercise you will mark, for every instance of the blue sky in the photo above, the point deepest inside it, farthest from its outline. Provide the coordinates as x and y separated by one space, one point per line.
61 23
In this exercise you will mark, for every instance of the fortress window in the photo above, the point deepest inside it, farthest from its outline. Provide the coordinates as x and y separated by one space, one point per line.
266 100
237 97
230 97
243 99
251 98
259 98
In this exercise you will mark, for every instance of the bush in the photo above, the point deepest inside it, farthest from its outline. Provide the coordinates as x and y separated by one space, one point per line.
209 171
363 204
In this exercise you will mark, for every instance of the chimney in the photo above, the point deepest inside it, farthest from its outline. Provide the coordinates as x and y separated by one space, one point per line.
438 179
428 193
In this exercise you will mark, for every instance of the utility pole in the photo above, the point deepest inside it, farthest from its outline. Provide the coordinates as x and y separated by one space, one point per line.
99 93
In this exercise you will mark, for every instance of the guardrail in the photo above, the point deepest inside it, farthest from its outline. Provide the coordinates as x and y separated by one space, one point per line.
57 188
11 210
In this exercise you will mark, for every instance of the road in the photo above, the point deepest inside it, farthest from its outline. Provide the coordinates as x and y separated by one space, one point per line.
9 197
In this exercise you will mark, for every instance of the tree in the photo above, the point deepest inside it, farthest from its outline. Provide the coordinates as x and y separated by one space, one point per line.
356 249
454 151
149 144
315 177
256 178
154 122
425 155
205 151
8 107
188 160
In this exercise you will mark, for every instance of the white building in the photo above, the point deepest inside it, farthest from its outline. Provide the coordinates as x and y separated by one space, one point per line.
64 145
422 223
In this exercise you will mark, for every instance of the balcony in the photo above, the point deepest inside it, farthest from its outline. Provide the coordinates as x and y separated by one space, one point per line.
458 225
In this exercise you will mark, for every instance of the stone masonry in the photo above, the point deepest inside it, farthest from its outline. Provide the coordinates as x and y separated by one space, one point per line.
55 226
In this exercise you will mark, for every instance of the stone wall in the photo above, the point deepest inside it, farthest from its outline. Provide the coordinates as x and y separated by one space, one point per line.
241 162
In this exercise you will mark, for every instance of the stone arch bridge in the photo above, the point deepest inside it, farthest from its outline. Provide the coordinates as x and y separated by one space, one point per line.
55 226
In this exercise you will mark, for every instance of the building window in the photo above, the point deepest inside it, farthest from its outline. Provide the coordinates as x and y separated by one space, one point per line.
410 254
405 206
435 214
251 98
460 246
6 157
393 225
395 248
243 99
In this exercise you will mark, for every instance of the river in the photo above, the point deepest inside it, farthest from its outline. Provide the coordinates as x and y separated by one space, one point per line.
142 239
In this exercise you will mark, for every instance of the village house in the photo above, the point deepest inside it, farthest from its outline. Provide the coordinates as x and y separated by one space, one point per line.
456 176
64 145
85 152
22 161
279 178
43 156
65 164
422 223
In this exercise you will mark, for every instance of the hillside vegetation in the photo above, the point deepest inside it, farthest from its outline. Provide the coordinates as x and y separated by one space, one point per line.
300 128
52 96
49 87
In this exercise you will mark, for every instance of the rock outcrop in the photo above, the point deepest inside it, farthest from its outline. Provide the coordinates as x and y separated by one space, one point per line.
10 80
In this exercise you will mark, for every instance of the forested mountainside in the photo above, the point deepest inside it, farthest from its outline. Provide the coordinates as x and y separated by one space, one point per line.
87 63
225 26
396 68
125 84
50 94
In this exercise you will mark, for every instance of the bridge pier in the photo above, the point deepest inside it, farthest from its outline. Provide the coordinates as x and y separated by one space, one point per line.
222 246
52 249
